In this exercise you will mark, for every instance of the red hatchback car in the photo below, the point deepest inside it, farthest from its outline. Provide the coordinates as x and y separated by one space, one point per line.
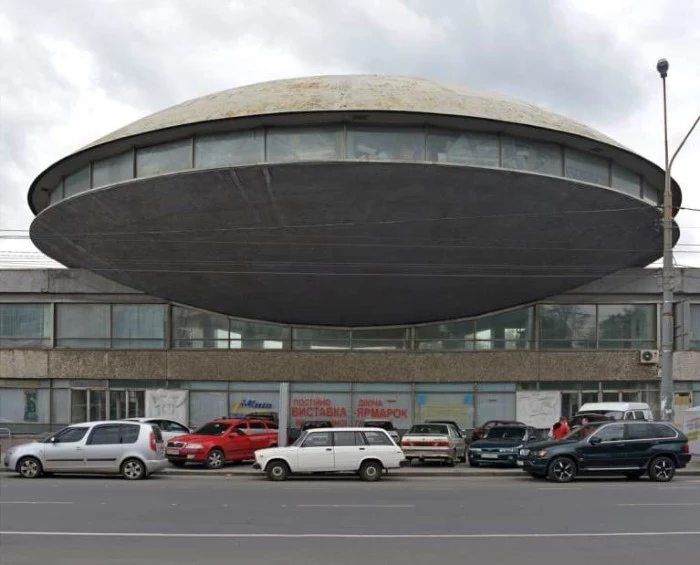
222 441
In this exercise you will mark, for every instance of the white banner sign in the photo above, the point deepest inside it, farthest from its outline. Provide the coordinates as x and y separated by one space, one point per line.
167 404
538 408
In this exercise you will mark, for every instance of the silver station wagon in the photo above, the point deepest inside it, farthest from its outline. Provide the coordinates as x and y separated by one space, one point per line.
132 449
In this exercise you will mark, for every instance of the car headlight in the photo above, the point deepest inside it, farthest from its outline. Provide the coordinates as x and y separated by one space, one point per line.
524 452
475 449
194 446
541 453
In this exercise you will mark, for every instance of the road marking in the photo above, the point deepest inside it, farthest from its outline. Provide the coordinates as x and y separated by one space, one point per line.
355 506
31 502
678 488
662 504
341 536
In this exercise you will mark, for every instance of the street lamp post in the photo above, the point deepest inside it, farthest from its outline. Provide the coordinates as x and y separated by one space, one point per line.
667 325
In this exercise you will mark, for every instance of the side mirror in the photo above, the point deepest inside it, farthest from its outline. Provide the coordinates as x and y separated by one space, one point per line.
595 440
53 440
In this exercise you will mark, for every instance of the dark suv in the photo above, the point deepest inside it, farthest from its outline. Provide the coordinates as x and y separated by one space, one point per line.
630 448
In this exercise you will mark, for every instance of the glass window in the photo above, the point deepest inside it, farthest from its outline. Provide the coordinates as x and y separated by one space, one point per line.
586 167
457 407
82 325
229 149
164 158
56 194
463 148
640 431
317 439
612 432
25 325
377 438
78 405
97 406
509 330
305 144
113 170
60 406
378 144
626 181
320 339
105 435
627 326
70 435
663 431
567 326
456 336
344 439
527 155
253 335
77 182
193 329
130 433
694 326
138 326
650 194
380 339
24 406
206 406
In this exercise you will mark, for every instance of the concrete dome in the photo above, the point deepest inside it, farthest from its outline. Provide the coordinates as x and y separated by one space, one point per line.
343 93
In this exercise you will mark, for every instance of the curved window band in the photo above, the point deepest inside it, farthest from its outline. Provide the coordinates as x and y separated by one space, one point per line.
353 143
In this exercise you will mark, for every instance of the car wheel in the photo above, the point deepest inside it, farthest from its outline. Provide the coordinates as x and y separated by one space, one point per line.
133 470
29 468
371 471
178 463
662 469
277 471
634 476
562 470
215 459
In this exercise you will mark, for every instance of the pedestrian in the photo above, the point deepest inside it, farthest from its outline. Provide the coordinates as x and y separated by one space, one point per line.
563 429
553 430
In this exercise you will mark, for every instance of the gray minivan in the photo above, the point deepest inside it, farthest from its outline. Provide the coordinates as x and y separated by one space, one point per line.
132 449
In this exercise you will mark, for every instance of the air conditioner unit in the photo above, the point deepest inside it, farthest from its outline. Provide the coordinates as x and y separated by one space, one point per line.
649 356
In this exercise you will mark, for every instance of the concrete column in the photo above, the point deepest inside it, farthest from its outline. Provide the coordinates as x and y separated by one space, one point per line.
283 415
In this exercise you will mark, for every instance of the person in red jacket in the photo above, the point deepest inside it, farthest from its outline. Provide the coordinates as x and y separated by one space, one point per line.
563 429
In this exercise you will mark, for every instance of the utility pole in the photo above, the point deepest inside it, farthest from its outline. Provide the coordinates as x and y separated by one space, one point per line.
667 317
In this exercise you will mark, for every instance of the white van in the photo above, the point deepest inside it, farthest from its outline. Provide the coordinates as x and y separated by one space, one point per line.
618 410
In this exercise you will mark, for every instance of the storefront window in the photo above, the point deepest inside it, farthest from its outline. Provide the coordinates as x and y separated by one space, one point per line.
509 330
229 149
319 339
463 148
456 406
395 407
206 406
386 144
627 326
252 335
25 325
243 403
567 326
24 405
305 144
450 336
380 339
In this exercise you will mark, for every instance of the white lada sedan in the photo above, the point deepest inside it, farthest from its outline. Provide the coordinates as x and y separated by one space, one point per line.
365 451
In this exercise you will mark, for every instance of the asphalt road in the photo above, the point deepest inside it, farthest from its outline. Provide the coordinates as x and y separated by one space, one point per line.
169 520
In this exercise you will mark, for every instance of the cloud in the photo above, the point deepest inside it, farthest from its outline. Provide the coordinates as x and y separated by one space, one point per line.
71 74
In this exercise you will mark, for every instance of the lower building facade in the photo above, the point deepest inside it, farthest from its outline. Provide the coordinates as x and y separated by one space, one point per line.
75 346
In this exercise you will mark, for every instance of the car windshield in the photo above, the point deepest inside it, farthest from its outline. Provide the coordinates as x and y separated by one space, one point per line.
300 439
213 429
382 425
428 430
502 432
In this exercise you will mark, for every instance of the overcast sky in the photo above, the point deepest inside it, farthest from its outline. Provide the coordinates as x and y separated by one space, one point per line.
74 70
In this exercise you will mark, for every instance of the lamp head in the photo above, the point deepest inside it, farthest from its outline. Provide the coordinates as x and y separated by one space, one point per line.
662 67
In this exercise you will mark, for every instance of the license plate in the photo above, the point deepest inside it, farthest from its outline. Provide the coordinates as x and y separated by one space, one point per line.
520 463
172 452
489 456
